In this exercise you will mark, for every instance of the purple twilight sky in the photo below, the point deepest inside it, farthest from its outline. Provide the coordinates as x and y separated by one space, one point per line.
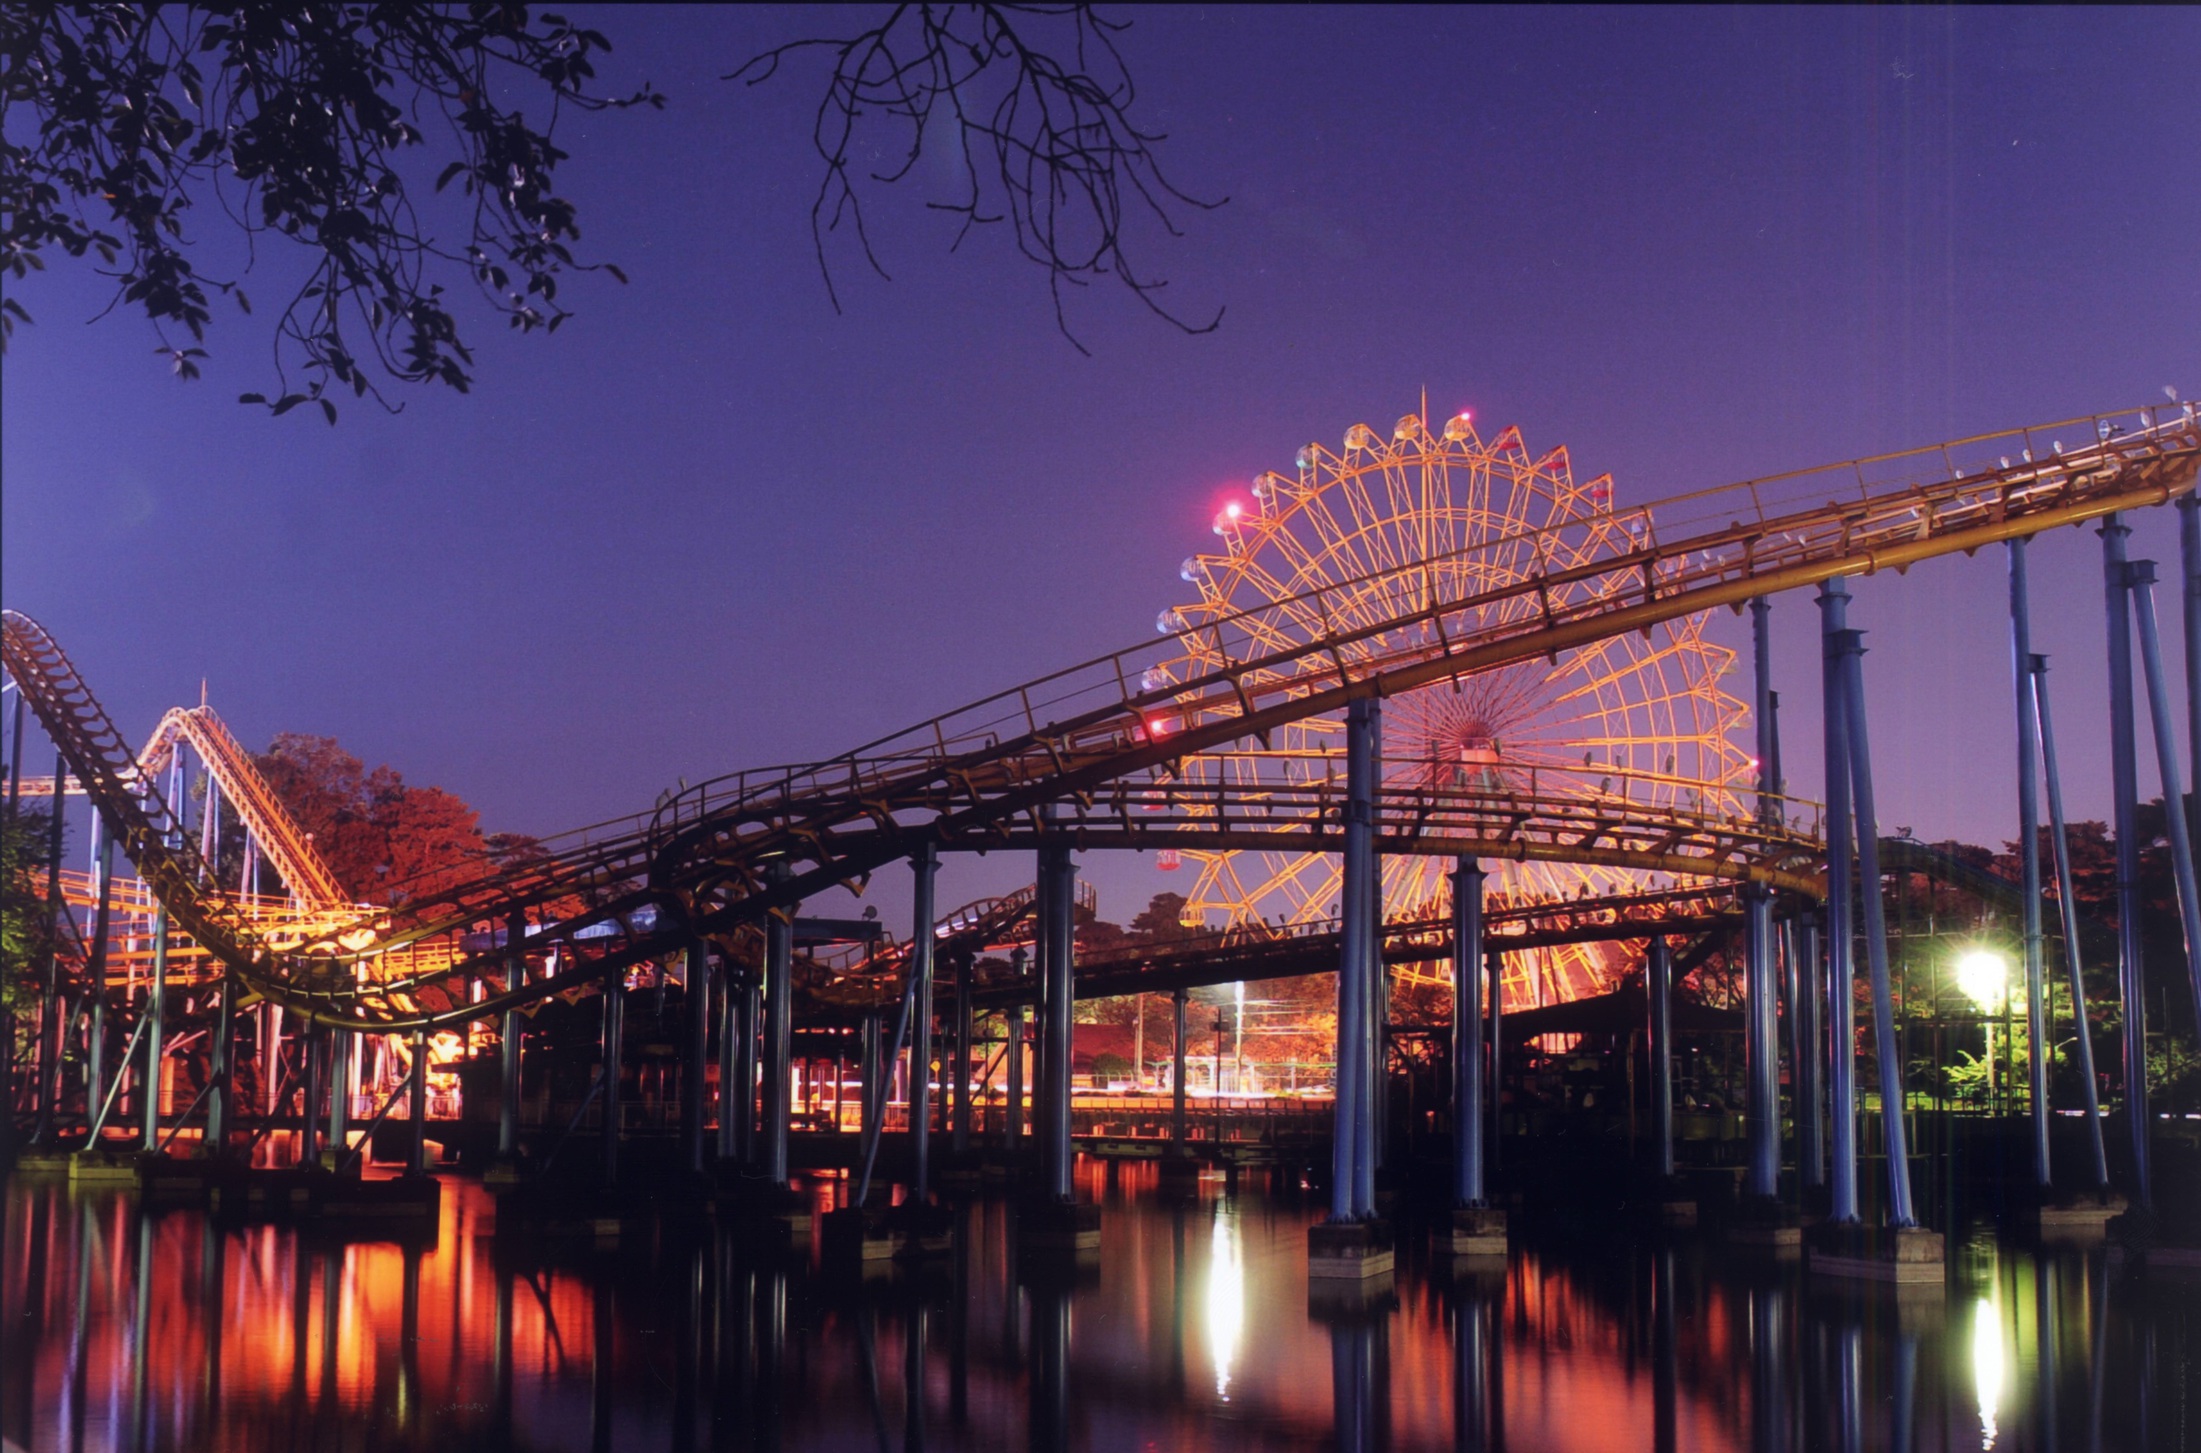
711 524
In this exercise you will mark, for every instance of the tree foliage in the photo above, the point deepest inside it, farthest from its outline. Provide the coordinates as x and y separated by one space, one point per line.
386 842
308 125
26 929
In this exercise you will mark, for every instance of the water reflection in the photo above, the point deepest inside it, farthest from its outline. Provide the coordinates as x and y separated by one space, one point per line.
140 1332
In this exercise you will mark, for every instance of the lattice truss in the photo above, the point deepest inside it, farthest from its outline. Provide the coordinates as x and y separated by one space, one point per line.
1388 526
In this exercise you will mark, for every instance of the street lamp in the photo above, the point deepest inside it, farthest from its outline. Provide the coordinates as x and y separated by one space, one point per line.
1984 977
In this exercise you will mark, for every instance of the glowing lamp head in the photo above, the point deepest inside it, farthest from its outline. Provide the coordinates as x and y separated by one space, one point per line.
1459 426
1983 977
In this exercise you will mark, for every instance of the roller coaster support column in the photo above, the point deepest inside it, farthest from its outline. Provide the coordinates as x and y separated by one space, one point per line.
1805 1058
1886 1050
2029 860
779 1024
2189 572
1495 981
340 1103
1841 988
1350 1245
156 991
416 1159
2166 760
1467 1033
95 1067
614 1054
924 868
1013 1118
748 1015
1180 1050
2067 900
1057 925
221 1067
50 1028
1761 1040
312 1047
1658 974
692 1072
729 1063
1476 1228
508 1084
1058 1223
2124 777
1376 1106
962 1140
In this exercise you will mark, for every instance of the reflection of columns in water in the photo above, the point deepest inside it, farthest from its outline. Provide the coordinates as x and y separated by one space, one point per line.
408 1348
1177 1216
141 1432
1473 1345
959 1320
500 1348
1849 1375
332 1291
1663 1353
600 1366
74 1365
687 1372
1050 1376
2046 1333
213 1274
1768 1402
913 1381
771 1345
1359 1384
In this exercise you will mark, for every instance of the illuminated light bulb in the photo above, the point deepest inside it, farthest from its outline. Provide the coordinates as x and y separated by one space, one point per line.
1458 427
1982 977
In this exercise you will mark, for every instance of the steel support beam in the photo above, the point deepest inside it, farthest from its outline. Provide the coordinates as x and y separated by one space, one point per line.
1467 1033
2029 862
1180 1051
509 1034
2067 900
2125 793
779 1026
962 1062
924 940
416 1159
613 1060
1058 884
1841 837
693 1064
1376 1104
1349 1134
1887 1050
156 995
749 1019
221 1066
1658 974
50 1027
1012 1134
1496 980
2189 576
1807 1058
2166 762
1761 1038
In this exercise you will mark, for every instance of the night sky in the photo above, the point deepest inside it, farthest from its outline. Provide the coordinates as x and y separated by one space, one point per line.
711 524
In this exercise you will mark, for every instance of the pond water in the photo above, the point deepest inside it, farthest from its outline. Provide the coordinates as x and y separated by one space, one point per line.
128 1330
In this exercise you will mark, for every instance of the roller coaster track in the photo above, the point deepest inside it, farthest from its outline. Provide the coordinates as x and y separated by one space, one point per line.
1073 756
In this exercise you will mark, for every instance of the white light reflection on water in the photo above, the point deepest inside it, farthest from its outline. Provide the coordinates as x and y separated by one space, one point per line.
1226 1299
1987 1367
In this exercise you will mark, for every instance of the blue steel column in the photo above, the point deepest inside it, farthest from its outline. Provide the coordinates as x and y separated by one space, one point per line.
417 1162
1841 988
962 1108
924 867
95 1068
1012 1119
1658 973
2125 791
1495 980
614 1053
220 1066
1349 1112
1761 1051
341 1049
779 1027
2067 899
1180 1048
1811 1155
749 1015
2029 858
2189 574
1375 1101
692 1073
1887 1051
1058 884
1467 1033
508 1107
2166 761
155 993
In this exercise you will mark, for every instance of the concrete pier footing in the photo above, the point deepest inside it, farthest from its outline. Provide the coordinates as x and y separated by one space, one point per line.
1349 1251
1471 1231
1906 1255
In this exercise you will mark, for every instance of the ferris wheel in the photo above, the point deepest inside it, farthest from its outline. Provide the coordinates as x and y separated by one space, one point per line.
1634 721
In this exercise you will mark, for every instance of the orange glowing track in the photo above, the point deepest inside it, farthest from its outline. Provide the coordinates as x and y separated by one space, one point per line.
1091 755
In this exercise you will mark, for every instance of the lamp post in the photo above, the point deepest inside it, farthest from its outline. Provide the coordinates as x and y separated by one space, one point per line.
1983 977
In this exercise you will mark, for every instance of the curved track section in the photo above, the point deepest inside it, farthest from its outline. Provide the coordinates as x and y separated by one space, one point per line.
1043 760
